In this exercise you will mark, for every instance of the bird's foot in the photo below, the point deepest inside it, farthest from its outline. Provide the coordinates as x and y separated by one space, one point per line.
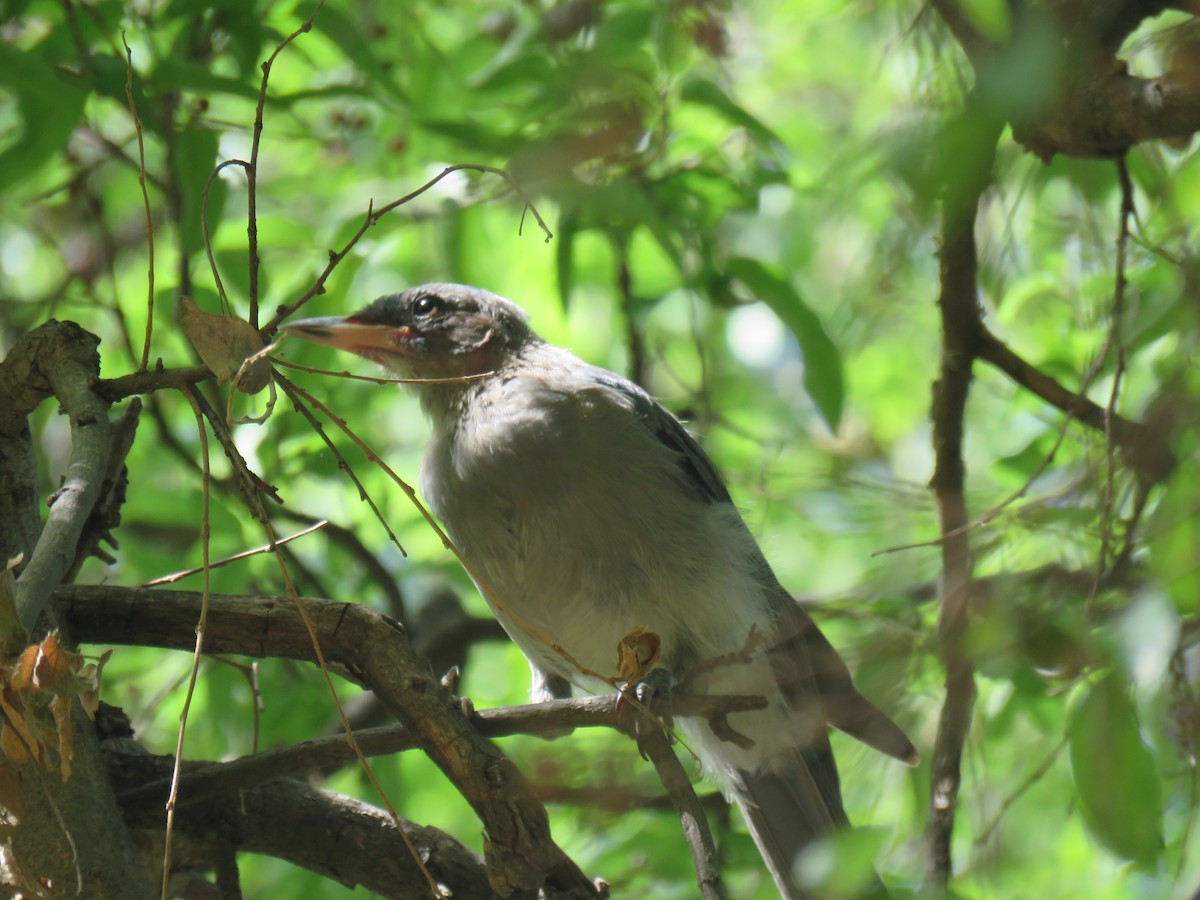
450 681
645 705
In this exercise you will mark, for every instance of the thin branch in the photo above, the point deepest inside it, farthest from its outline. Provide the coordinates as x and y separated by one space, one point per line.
434 890
251 484
200 629
377 379
353 544
996 510
1144 449
208 249
203 779
1117 342
252 168
1038 773
373 216
137 127
655 744
291 390
245 554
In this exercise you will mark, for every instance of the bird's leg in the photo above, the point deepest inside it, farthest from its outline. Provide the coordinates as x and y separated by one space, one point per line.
645 705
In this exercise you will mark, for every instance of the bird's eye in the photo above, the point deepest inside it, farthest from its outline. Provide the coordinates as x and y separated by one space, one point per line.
426 306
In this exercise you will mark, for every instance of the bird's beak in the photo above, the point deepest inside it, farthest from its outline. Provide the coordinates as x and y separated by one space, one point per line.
346 334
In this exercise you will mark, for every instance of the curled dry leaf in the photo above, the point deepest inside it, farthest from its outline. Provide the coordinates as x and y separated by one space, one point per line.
18 742
36 694
224 342
637 653
42 666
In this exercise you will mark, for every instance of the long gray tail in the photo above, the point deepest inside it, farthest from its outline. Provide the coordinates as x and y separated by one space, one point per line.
792 801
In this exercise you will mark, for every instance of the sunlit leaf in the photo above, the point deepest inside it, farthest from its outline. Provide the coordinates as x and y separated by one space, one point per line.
350 37
822 362
194 158
224 343
50 109
706 93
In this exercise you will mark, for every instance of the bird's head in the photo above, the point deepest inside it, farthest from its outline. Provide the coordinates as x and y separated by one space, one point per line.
435 331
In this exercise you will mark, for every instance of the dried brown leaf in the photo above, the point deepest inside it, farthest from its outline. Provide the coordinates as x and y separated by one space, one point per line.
52 664
637 653
21 677
224 343
18 742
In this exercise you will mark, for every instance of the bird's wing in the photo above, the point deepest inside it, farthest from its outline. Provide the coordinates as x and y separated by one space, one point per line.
696 469
803 659
804 662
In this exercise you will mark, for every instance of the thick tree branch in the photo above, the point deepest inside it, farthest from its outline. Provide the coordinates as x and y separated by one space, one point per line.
114 389
371 649
1107 112
961 329
548 719
66 358
70 833
107 615
1087 104
335 836
105 516
1143 448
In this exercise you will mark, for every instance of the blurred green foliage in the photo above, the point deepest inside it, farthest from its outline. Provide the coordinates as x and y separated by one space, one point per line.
744 202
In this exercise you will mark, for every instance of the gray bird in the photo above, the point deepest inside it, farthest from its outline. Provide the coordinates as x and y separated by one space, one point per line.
585 511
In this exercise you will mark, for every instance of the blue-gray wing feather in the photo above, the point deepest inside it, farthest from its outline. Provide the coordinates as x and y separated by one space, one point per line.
696 469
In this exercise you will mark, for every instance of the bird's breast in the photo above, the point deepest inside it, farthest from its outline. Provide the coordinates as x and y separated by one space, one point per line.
577 531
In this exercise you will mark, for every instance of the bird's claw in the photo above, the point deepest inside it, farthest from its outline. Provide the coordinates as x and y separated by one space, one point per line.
645 706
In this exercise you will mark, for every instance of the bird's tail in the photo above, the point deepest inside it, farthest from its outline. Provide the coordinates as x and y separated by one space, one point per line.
789 803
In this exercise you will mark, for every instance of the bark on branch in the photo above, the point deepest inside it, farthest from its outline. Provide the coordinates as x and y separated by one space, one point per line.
372 650
961 331
70 834
333 835
1085 103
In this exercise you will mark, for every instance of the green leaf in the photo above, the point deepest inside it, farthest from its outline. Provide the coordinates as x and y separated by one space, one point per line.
194 159
1173 544
705 93
992 17
350 39
564 254
1115 774
823 379
50 109
174 73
